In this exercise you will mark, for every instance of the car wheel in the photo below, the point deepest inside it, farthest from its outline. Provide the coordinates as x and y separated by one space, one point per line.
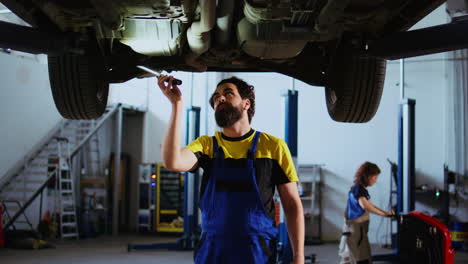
78 85
354 87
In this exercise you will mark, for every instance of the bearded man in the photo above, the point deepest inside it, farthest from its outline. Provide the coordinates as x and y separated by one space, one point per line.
242 169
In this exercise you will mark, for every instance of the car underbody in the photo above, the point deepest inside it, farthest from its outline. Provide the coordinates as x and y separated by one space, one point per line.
316 41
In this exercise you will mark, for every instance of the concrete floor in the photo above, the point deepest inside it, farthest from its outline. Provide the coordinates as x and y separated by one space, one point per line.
109 250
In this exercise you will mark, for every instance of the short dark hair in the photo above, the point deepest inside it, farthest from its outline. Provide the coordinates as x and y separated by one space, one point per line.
365 171
245 90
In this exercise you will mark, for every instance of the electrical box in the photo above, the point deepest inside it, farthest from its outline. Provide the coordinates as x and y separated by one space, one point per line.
169 201
147 190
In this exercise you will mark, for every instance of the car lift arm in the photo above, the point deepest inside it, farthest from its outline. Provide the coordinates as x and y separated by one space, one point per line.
32 40
447 37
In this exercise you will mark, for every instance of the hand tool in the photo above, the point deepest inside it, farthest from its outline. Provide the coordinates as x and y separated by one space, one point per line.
155 73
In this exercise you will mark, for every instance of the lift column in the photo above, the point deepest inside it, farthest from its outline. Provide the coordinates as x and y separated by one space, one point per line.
191 184
284 246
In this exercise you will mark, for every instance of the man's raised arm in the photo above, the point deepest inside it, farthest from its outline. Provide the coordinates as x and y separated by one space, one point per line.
174 157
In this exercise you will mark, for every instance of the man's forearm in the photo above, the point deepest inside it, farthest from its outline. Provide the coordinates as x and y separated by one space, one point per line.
171 143
295 223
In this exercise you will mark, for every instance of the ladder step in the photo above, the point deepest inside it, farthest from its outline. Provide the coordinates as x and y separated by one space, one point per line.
22 199
35 181
36 173
83 126
70 224
70 235
76 129
11 209
22 190
50 144
67 191
21 221
19 199
41 165
42 156
68 213
50 149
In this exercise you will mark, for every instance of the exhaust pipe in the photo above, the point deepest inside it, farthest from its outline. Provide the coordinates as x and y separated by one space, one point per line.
198 35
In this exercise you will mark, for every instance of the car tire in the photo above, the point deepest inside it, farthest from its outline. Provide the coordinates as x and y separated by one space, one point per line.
354 87
78 85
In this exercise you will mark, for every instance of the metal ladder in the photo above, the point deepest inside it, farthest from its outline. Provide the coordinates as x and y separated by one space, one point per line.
66 191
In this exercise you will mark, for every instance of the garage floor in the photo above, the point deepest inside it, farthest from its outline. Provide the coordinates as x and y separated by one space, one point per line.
114 251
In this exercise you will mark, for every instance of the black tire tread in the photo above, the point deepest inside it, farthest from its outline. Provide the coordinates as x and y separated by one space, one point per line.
75 81
358 83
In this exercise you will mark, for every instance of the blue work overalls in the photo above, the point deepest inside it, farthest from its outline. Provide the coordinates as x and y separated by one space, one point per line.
235 226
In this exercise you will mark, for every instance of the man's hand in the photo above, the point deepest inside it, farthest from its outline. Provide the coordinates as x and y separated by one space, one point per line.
170 90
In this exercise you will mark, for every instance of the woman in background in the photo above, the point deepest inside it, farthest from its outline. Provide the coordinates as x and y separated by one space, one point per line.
354 246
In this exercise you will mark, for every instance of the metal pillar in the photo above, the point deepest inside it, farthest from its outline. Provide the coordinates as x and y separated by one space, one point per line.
118 149
191 184
284 245
406 173
406 138
405 170
291 122
406 157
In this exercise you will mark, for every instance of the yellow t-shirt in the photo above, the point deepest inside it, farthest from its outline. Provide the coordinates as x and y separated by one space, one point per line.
273 162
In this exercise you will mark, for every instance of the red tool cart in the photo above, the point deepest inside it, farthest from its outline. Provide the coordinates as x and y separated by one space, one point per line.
424 239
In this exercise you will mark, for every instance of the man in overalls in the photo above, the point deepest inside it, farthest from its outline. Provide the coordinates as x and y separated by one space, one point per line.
241 168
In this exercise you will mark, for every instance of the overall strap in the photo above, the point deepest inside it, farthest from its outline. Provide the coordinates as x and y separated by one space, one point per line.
253 146
215 147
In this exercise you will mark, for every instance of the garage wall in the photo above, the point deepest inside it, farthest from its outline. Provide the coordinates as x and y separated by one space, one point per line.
27 111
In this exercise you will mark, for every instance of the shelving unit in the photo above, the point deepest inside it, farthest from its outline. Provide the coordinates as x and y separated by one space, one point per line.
310 176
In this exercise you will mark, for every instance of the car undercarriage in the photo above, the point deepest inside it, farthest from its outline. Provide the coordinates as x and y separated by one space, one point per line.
324 43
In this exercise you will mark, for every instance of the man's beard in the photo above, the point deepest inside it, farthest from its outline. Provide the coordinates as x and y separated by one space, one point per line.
228 115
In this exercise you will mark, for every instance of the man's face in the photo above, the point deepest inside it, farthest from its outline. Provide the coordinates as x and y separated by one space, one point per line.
228 105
